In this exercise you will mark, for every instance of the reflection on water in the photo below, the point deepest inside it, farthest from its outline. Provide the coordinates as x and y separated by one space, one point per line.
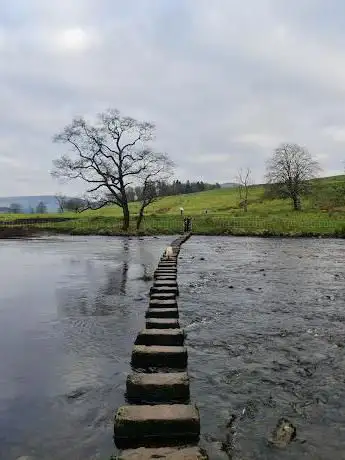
69 311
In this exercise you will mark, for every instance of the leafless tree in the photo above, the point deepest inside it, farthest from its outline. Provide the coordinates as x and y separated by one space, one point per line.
244 180
109 155
15 208
41 208
290 169
61 201
76 204
160 169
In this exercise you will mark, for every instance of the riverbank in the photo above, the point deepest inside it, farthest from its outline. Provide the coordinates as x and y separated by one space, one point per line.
296 225
17 232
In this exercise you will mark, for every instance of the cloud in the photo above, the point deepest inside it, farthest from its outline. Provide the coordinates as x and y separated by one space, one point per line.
223 81
74 39
336 133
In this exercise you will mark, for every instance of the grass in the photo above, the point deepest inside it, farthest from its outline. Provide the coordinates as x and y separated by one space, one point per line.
323 214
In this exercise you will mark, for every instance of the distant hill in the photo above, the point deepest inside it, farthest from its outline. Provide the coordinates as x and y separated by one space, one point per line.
29 202
228 185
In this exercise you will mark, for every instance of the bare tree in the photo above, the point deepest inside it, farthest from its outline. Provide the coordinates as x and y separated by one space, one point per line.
289 169
109 155
160 169
244 181
41 208
15 208
61 201
75 204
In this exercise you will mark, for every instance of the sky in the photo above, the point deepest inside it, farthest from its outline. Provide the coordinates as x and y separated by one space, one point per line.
225 81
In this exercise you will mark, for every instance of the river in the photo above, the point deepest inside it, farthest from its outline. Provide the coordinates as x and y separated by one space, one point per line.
265 320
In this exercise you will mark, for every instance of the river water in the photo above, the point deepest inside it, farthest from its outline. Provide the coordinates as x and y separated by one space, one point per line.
265 320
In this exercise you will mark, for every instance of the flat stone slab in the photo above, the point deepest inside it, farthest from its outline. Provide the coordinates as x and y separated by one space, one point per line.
139 426
158 356
164 289
162 313
162 323
163 295
163 453
164 273
164 283
169 270
163 303
159 387
172 268
168 277
172 337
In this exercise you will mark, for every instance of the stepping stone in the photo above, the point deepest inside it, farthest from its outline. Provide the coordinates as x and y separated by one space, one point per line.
167 276
167 265
162 323
163 295
158 303
162 313
165 283
139 426
164 272
163 453
159 356
158 387
169 337
162 285
164 289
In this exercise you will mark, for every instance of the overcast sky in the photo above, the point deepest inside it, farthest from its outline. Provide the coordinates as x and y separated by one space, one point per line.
225 81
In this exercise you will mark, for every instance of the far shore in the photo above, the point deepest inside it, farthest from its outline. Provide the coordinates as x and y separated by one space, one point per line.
15 232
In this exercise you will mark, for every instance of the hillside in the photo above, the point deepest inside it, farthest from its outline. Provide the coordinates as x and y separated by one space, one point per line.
323 214
327 194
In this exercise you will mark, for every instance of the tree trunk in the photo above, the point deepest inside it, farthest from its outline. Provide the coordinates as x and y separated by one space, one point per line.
125 225
296 203
140 218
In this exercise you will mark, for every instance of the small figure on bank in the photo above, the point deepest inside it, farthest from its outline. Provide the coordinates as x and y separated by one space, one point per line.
187 224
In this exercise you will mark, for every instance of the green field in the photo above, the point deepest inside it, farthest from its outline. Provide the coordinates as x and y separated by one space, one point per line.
323 213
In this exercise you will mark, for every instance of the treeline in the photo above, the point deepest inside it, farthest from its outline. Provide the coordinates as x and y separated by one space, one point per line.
163 188
17 208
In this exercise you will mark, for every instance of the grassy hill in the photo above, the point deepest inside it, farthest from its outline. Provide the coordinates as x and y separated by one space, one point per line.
323 213
327 195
